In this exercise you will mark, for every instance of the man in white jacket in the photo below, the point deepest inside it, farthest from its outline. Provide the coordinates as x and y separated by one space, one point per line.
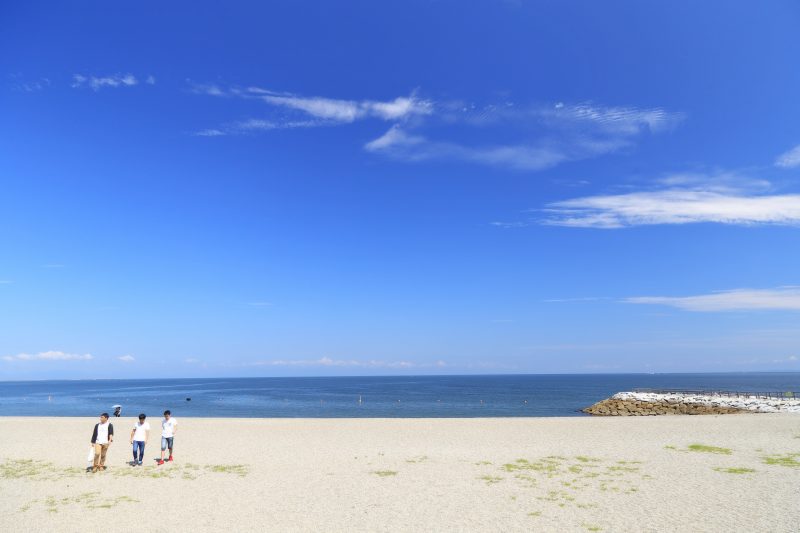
102 437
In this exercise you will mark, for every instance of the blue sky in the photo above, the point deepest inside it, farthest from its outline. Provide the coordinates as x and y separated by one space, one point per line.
317 188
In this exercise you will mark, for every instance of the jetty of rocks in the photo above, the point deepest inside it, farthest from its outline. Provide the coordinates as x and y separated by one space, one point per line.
684 403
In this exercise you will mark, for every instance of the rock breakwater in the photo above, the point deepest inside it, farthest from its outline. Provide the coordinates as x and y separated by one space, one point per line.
652 404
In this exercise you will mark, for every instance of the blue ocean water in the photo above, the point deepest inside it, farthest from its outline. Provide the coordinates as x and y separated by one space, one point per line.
328 397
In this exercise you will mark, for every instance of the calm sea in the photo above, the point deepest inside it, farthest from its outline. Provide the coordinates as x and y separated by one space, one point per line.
367 397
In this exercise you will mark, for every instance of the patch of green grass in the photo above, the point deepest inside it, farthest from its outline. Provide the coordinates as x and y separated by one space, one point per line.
735 470
556 495
239 470
24 468
670 447
709 449
483 463
585 459
535 513
622 469
592 527
418 459
89 500
790 460
546 465
188 471
385 473
491 480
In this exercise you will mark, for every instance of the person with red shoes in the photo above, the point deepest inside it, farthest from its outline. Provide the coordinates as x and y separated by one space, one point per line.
169 426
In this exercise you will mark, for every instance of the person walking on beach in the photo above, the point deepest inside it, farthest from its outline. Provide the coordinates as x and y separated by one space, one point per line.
169 426
139 435
102 437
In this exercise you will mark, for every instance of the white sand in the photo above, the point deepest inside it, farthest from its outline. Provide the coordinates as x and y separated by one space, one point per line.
320 475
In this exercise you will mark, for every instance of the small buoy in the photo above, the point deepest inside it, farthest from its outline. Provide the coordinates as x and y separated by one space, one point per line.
188 399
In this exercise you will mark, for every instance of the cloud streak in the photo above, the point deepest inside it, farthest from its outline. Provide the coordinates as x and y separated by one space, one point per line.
549 135
780 299
674 206
19 83
329 362
541 137
346 111
297 111
789 159
79 81
253 125
48 356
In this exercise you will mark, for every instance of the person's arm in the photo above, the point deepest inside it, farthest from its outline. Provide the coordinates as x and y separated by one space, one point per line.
94 434
110 433
132 432
146 435
175 428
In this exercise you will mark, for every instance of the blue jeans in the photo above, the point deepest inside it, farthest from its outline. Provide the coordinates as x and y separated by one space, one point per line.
138 445
166 442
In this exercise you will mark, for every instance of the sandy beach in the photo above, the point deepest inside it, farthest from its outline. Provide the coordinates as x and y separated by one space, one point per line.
681 473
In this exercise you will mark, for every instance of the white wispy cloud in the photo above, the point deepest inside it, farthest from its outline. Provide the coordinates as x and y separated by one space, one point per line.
546 136
674 206
781 298
210 132
398 143
618 120
329 362
252 125
207 89
578 299
549 136
98 82
299 111
789 159
48 356
339 110
507 225
20 83
126 358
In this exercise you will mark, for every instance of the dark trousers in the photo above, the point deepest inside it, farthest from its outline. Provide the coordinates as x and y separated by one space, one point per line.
138 445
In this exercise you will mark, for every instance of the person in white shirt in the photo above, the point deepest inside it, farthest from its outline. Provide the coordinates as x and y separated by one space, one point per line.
169 427
102 437
139 435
